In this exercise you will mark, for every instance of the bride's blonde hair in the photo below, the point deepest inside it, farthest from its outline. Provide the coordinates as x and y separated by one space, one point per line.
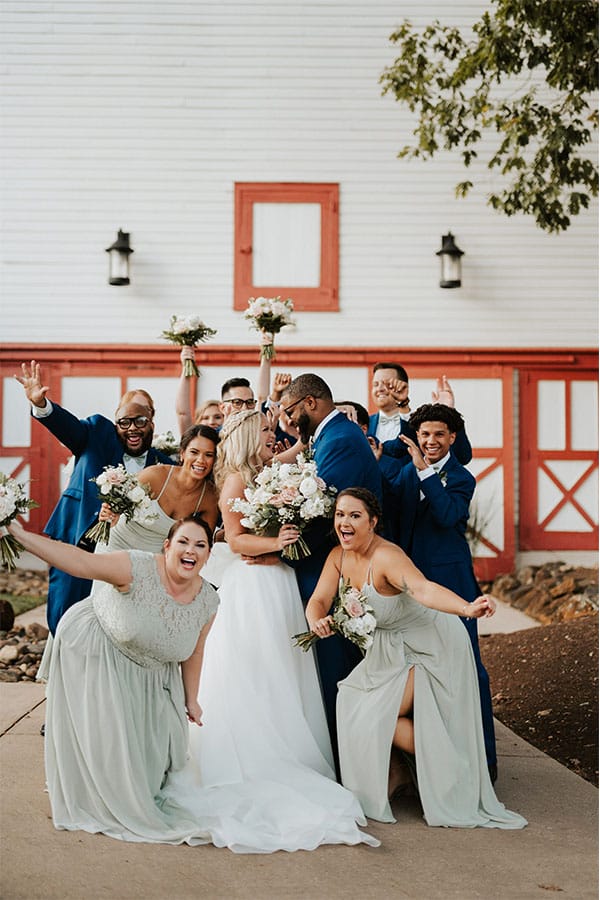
239 446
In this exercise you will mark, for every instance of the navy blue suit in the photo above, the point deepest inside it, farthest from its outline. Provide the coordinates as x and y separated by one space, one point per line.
344 459
394 456
95 444
432 532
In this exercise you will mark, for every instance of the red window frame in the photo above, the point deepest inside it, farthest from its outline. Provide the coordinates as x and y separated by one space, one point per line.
325 297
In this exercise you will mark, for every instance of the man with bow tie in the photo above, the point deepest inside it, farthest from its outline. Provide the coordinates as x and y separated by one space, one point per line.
95 442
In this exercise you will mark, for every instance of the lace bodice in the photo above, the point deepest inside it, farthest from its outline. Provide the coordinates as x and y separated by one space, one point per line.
145 623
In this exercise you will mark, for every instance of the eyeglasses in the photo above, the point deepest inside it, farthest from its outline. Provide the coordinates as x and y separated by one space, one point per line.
288 409
239 404
126 422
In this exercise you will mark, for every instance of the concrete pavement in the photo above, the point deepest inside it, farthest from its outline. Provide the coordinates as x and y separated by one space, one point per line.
556 853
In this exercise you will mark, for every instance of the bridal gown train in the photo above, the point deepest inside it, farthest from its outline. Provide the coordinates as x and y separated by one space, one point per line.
261 764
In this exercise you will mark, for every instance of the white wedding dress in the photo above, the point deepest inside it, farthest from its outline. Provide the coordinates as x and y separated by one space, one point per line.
261 767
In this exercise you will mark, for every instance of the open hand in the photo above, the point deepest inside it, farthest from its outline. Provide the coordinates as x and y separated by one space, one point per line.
443 393
31 380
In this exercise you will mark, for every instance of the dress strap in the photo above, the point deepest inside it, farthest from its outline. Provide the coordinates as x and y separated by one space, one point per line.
165 483
201 497
370 573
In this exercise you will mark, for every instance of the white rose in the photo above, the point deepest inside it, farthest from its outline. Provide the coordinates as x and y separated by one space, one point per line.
136 494
308 487
7 507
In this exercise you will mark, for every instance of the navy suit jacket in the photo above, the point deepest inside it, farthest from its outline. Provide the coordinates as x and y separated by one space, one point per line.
344 459
461 448
95 444
432 531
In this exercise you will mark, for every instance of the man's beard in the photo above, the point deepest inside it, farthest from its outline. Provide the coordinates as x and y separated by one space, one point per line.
305 428
144 446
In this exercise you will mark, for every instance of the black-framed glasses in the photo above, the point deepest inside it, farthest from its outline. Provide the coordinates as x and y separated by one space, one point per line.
126 422
238 404
292 406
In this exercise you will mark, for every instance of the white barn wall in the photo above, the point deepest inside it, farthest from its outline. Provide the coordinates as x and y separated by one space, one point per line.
142 115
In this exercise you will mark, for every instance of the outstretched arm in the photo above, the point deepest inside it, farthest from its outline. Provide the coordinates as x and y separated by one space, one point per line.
394 566
115 568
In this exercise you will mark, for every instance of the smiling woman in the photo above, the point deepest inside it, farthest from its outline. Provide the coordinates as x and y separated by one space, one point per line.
176 491
116 690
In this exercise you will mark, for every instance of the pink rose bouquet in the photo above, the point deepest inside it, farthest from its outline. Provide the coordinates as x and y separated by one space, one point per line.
284 494
269 316
125 495
352 617
188 331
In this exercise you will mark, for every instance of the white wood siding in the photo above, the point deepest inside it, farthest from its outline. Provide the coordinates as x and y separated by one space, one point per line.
141 115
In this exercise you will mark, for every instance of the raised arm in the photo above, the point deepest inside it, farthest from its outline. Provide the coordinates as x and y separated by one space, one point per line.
115 568
182 395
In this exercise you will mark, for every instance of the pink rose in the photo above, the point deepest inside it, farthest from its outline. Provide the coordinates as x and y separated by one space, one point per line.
353 607
289 494
277 501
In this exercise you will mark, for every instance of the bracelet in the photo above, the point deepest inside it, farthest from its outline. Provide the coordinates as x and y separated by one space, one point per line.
464 614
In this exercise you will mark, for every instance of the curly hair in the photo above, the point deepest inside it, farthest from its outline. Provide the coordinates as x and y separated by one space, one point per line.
438 412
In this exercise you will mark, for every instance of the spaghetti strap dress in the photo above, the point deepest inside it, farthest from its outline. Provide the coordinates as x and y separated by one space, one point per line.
454 783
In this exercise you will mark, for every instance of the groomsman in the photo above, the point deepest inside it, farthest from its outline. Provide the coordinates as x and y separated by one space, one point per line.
344 459
96 442
389 390
432 496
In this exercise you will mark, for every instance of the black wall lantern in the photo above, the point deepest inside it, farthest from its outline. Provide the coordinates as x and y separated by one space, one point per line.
450 256
118 259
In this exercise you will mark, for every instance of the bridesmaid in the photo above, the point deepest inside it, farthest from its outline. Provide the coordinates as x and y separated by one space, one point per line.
416 689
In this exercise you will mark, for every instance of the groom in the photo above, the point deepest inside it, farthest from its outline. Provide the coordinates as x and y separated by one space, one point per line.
344 459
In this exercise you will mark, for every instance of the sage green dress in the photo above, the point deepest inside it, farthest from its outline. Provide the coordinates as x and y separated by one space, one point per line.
115 719
454 783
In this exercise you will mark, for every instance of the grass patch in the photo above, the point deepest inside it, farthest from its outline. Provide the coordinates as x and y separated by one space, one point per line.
23 604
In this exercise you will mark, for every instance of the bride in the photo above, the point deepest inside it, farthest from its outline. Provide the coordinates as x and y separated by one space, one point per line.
265 736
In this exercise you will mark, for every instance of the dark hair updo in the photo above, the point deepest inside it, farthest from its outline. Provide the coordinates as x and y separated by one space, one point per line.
368 500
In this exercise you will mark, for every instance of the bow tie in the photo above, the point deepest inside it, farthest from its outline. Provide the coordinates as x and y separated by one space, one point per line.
139 461
387 420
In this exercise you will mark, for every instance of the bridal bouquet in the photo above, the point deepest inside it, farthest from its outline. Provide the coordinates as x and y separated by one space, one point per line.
167 443
188 331
352 618
125 495
269 316
13 502
284 494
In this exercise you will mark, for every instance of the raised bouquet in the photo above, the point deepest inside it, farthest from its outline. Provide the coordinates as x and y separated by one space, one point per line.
285 494
352 617
167 443
125 495
188 331
269 316
13 502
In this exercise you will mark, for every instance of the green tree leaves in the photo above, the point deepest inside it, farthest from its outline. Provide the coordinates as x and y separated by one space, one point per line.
528 72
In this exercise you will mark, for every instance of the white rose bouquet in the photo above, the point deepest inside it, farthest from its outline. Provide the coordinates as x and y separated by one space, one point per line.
125 495
13 502
352 618
284 494
188 331
269 316
167 443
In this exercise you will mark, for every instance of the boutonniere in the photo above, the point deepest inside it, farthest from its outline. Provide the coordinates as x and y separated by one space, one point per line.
443 476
